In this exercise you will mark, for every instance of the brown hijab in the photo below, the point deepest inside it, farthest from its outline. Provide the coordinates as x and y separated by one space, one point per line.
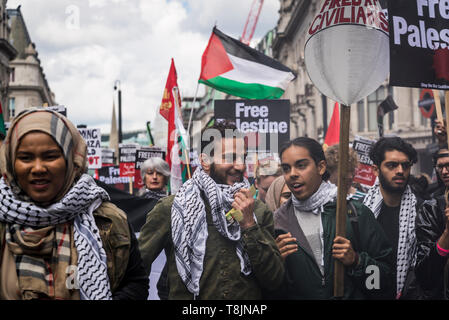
273 196
60 129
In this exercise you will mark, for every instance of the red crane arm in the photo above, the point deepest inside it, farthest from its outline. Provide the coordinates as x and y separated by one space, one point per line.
251 22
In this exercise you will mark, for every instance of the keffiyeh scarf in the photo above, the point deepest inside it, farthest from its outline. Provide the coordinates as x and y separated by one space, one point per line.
150 194
325 193
77 205
407 238
189 226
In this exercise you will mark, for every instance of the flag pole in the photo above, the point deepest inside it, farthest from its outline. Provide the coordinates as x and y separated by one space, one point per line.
191 110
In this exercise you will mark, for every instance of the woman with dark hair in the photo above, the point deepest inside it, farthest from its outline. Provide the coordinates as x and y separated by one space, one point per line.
60 237
305 225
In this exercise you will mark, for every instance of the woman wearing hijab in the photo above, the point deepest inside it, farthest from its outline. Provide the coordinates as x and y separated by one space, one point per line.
277 194
60 237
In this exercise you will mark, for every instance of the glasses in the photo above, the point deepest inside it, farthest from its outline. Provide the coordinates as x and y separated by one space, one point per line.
393 165
442 166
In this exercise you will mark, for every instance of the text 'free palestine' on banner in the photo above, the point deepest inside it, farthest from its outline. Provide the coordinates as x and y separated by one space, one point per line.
419 43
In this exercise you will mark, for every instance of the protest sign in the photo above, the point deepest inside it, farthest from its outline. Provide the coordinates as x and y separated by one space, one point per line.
61 109
364 173
265 123
419 43
346 57
107 157
92 136
111 176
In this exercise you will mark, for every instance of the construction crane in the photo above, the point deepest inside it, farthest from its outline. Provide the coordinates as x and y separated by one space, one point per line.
251 22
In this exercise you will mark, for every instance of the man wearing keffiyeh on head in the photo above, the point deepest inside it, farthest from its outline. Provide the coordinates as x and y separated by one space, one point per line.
210 256
395 205
432 233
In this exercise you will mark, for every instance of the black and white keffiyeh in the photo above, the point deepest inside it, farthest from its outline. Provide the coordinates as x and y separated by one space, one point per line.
150 194
407 238
189 227
315 203
78 205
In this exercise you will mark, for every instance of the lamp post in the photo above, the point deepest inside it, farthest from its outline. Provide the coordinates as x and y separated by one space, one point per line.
117 87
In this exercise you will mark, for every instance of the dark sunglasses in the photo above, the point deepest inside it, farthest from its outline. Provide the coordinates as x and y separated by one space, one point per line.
393 165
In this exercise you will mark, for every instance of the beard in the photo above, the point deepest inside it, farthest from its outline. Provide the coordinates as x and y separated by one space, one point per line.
386 185
220 177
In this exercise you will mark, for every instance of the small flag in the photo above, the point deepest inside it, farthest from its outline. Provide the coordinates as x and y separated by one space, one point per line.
382 109
232 67
333 131
177 141
167 109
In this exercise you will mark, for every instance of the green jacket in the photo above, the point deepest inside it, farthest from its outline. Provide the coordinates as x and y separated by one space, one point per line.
115 235
221 277
303 277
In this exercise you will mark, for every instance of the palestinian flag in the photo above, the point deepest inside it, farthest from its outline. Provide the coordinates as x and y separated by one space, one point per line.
230 66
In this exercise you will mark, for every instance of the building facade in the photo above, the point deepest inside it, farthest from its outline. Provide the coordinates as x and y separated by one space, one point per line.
311 111
28 86
7 53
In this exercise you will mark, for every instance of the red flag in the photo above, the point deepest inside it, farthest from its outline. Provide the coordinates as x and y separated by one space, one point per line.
167 109
333 131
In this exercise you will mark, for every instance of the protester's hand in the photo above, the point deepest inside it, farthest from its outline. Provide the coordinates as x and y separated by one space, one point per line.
283 241
244 201
342 250
440 131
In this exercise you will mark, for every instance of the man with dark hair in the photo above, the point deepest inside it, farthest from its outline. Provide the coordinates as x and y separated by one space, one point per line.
306 223
432 233
212 254
395 205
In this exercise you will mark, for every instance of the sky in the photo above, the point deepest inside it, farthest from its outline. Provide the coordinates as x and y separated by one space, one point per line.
86 45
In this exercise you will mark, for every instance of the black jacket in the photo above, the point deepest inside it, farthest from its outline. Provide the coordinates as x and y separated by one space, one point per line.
303 277
430 224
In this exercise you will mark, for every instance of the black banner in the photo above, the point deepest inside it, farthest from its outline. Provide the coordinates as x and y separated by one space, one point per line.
419 43
266 123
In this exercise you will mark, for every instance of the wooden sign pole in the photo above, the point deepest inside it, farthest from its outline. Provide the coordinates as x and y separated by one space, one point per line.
343 159
436 98
446 103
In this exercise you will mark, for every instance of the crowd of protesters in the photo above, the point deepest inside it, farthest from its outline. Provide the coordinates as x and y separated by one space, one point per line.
63 236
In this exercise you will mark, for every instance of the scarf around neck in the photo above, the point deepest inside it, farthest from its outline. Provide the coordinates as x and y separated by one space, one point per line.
189 226
407 238
150 194
315 203
77 205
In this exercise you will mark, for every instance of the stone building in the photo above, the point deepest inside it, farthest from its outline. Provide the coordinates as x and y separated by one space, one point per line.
311 111
28 85
7 53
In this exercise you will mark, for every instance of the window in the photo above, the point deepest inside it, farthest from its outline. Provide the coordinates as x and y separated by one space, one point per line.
12 107
361 115
391 113
367 110
374 99
12 75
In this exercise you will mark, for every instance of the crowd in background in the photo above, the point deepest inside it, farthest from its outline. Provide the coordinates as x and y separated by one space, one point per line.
64 235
